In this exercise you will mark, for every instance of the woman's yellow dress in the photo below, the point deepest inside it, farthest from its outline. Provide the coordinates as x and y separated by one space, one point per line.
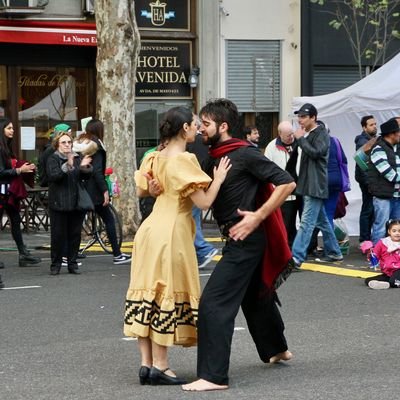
164 290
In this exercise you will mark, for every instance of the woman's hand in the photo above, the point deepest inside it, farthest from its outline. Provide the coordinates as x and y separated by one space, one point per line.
106 201
221 171
85 161
70 159
154 187
27 168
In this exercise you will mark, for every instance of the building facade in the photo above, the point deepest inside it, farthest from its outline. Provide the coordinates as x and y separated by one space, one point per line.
191 51
327 63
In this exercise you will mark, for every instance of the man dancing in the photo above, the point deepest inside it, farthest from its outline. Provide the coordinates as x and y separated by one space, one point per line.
255 257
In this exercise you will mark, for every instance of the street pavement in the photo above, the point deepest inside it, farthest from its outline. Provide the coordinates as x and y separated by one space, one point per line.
61 337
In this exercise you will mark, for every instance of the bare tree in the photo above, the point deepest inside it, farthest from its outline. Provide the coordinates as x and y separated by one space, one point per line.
117 52
369 25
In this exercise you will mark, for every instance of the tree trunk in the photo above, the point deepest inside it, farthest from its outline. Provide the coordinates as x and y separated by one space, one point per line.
118 46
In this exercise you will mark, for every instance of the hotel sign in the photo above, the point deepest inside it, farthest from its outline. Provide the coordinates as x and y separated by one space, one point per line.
169 15
163 69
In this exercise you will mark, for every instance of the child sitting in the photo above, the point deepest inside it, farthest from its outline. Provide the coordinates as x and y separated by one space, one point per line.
388 252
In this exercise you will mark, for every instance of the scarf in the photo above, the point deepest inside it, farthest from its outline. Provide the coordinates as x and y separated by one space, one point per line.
288 148
277 261
391 246
17 190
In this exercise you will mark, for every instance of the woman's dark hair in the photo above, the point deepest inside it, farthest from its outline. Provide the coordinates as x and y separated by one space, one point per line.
6 151
94 128
173 122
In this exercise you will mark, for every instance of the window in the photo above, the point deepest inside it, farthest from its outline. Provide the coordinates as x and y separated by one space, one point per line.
47 96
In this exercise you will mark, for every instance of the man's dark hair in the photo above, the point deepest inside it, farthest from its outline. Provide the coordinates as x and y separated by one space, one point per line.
222 110
365 119
248 129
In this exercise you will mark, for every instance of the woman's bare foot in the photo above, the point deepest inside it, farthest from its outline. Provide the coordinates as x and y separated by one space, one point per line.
202 385
285 356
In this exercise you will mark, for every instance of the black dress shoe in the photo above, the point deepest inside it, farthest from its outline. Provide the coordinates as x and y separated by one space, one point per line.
28 260
144 375
55 270
159 377
74 271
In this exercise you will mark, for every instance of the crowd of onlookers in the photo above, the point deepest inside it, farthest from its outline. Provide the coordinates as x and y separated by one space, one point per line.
74 172
312 156
317 162
303 173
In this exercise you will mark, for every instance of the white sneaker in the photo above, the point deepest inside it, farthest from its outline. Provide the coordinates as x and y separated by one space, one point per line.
379 285
122 259
208 258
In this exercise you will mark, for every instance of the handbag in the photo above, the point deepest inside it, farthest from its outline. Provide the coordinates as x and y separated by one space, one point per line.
84 202
344 172
341 205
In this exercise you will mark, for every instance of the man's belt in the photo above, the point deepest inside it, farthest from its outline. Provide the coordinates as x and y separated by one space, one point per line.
224 229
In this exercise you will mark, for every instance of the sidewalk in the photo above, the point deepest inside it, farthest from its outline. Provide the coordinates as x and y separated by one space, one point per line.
353 265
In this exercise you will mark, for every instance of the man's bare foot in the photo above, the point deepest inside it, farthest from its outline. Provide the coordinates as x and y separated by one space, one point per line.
285 356
202 385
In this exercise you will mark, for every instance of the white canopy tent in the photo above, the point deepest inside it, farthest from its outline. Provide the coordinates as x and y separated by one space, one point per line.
378 94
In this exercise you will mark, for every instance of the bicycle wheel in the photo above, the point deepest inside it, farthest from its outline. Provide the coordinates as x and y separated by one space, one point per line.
101 232
87 233
87 225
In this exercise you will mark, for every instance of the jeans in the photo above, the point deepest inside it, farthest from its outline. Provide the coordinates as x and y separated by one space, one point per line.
314 216
330 206
366 214
384 209
203 248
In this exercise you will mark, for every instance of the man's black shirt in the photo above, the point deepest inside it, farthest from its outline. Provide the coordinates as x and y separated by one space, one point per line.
250 168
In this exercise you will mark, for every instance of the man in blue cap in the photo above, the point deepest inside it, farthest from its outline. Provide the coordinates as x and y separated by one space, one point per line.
309 163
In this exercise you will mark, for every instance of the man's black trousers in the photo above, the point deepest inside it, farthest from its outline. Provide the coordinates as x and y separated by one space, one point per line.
235 282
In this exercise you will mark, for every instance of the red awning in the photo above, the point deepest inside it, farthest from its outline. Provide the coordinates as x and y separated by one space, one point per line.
46 32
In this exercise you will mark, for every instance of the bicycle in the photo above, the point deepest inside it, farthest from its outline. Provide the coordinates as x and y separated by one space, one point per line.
94 228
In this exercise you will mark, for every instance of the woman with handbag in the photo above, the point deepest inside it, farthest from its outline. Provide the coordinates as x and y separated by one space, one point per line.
11 172
65 171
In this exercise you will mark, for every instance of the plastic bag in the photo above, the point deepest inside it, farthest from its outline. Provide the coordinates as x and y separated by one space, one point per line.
342 235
